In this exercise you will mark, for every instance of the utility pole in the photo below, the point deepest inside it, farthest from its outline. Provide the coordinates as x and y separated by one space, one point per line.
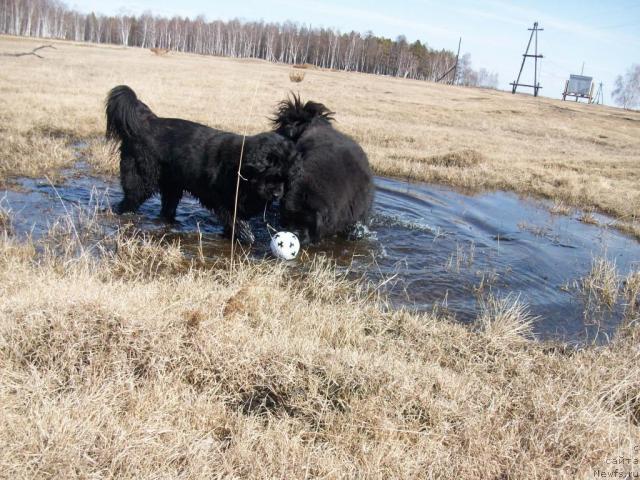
599 97
453 69
535 63
536 85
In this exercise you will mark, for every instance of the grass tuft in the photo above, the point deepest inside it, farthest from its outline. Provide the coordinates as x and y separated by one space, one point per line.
462 257
102 155
460 159
5 218
631 291
588 217
296 77
505 321
559 207
159 51
601 285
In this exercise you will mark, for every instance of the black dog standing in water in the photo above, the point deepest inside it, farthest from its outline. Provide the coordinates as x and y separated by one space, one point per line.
172 156
330 189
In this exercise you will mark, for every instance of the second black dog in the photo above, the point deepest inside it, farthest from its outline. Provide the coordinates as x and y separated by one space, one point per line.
330 189
171 156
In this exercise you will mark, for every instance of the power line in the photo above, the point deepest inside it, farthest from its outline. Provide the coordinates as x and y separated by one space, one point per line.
622 25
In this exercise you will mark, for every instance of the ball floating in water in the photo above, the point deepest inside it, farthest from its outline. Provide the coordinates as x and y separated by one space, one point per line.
285 245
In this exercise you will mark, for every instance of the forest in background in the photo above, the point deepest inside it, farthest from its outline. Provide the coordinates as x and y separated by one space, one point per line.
287 42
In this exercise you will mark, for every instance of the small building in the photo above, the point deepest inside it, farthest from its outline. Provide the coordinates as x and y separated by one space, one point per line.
578 86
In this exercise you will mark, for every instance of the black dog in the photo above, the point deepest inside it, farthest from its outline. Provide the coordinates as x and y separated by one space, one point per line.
330 189
172 156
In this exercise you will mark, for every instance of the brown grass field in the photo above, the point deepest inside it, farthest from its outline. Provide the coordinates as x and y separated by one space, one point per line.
140 364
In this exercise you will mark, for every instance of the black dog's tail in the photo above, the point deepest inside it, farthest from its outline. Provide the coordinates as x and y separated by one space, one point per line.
292 116
127 117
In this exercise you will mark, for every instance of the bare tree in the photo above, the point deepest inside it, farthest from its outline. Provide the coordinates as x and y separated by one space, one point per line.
469 77
487 79
146 30
124 28
627 89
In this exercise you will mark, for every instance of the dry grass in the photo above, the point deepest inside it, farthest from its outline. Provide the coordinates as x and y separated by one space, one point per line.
586 156
631 292
120 358
193 373
5 217
5 221
460 159
588 217
103 156
560 208
463 257
602 284
296 77
632 228
505 321
537 230
33 153
160 51
305 66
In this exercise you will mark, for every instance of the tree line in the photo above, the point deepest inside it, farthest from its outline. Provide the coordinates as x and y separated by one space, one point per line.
286 42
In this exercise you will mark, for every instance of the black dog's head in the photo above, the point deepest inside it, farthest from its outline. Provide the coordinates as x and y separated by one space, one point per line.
293 117
266 163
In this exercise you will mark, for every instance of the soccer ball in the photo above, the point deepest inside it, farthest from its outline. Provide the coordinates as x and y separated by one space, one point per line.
285 245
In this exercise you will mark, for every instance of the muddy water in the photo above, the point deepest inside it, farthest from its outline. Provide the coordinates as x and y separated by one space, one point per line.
430 247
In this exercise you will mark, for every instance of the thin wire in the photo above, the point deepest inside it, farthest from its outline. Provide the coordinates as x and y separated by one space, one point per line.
239 176
264 219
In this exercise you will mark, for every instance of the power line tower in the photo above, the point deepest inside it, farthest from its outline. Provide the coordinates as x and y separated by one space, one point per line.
599 96
536 85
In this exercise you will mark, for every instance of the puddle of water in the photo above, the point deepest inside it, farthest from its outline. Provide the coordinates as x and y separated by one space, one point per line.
437 246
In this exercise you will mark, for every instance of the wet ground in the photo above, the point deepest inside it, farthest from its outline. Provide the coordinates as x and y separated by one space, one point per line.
430 247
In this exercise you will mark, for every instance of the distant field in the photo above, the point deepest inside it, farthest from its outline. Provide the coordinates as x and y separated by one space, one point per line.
141 363
586 156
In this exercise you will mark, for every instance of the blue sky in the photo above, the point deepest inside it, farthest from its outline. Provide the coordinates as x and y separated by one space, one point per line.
603 35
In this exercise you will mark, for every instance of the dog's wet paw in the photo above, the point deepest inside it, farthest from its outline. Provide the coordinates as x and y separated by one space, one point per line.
358 231
122 209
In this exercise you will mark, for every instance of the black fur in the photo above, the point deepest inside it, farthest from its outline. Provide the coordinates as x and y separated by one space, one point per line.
172 156
330 188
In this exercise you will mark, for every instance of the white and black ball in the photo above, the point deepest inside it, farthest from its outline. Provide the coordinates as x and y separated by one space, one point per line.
285 245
